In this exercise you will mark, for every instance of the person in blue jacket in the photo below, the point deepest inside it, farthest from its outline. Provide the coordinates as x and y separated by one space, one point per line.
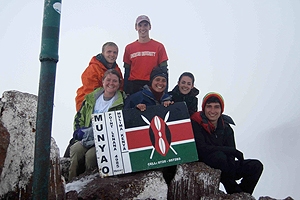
215 145
152 94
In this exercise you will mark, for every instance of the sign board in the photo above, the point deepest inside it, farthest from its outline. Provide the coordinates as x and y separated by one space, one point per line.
130 140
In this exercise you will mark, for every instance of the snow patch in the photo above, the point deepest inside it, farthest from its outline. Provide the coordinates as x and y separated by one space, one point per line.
155 187
78 185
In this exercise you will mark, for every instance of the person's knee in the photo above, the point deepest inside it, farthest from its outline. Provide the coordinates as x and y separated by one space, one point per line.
72 150
91 159
258 166
253 167
77 150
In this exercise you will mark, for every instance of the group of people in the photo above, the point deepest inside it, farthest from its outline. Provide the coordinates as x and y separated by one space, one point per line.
145 83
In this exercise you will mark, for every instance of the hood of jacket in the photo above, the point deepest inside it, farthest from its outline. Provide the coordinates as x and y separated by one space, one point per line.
101 59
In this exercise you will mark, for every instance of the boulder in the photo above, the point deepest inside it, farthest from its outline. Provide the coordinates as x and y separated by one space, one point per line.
191 181
270 198
198 178
17 136
64 167
141 185
4 142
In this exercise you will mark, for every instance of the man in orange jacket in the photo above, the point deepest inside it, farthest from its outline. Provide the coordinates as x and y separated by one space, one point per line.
92 76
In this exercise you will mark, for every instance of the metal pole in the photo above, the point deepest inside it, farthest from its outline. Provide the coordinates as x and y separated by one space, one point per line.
48 58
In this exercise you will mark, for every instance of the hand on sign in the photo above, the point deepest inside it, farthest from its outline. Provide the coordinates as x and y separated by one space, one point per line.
141 107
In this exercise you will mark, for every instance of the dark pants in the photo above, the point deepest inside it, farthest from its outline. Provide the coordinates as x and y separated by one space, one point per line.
249 172
135 86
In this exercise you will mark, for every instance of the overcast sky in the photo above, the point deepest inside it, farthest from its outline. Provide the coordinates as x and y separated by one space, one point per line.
249 51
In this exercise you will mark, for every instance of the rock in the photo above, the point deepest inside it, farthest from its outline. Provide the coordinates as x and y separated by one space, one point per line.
192 181
141 185
64 167
4 142
198 181
198 178
17 136
72 195
270 198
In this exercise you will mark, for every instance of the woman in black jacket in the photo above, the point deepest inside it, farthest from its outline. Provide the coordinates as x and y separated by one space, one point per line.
185 91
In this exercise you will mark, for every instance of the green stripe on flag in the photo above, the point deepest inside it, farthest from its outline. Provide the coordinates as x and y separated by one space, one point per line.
186 152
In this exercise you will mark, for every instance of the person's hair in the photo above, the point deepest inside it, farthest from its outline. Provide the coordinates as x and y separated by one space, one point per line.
112 71
213 97
213 100
189 74
108 44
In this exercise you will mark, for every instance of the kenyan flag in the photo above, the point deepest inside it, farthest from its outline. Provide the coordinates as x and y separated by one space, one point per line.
159 137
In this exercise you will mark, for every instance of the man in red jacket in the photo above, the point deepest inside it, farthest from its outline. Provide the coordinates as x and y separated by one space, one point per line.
92 76
216 147
141 56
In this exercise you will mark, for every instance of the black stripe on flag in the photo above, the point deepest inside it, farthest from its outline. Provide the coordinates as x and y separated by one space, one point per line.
177 111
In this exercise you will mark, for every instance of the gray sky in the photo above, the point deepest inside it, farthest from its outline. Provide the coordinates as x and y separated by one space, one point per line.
249 51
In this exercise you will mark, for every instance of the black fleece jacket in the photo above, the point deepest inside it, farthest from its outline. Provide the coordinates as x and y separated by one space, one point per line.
190 99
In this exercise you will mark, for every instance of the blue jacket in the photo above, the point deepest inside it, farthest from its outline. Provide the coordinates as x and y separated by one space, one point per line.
145 96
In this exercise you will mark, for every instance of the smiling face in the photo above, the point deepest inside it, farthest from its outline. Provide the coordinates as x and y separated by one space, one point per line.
110 54
111 84
143 29
213 111
159 84
185 84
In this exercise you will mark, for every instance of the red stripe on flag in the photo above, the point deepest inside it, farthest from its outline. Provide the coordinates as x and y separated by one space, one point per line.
181 131
138 139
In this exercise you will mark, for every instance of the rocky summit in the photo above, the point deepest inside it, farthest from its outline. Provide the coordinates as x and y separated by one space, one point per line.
17 135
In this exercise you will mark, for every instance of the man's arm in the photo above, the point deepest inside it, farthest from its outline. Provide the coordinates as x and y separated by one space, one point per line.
90 81
164 64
